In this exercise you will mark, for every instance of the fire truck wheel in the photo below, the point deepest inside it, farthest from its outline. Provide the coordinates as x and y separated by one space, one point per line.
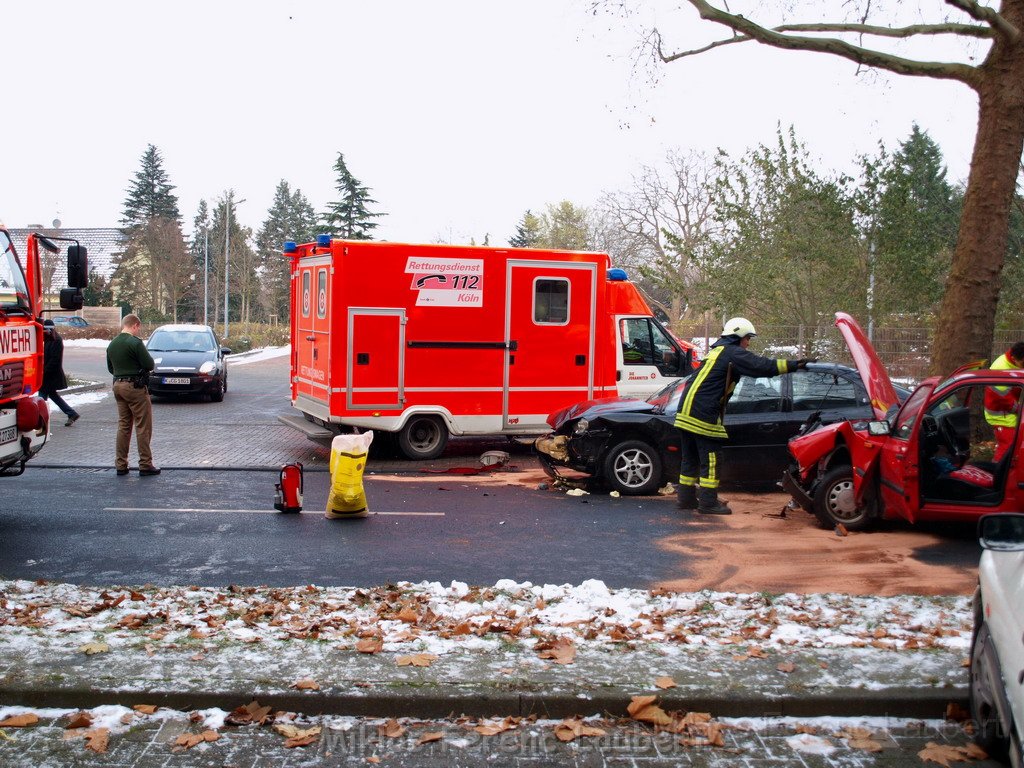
834 503
423 437
633 468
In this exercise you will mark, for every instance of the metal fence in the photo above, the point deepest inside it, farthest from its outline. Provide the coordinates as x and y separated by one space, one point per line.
905 352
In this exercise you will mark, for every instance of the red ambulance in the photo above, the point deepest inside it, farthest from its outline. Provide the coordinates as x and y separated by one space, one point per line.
427 341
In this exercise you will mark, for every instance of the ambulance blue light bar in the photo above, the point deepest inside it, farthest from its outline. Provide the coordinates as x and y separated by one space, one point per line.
323 241
290 246
617 274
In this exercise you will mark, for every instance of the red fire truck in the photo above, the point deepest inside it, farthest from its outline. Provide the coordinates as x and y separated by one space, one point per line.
24 417
425 341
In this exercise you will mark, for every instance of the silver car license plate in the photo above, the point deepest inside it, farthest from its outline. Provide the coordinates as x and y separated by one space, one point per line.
8 435
173 380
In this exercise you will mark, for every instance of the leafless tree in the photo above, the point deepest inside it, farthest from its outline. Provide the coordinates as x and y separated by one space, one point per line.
665 220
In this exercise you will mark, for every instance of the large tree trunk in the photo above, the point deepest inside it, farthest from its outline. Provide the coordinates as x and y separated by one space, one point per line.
966 322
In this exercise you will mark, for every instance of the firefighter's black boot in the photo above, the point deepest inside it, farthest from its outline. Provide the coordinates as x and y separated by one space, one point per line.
708 503
686 496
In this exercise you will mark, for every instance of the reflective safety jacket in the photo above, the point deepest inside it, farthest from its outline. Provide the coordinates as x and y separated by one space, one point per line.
1001 402
709 388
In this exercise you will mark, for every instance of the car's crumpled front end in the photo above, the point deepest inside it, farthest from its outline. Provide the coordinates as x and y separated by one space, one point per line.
579 451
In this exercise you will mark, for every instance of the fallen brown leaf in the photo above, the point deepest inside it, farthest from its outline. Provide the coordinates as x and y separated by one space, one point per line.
665 682
20 721
79 720
573 727
786 666
560 651
416 660
391 729
370 645
944 754
189 740
430 736
300 741
867 745
644 709
146 709
307 684
373 759
97 739
955 712
91 649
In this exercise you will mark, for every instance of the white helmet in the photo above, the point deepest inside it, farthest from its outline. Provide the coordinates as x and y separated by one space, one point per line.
739 326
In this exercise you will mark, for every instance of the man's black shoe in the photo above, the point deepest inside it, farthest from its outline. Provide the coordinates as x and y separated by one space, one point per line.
122 472
72 419
150 471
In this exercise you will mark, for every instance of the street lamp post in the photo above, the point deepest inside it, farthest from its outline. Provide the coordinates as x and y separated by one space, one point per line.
227 253
206 273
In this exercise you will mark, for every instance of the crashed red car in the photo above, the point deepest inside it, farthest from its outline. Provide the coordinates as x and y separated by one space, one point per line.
933 458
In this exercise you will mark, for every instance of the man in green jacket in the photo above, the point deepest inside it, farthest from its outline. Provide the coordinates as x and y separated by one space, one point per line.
130 363
702 407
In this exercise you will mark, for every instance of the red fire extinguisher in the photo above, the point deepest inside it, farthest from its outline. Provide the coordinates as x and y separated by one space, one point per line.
288 496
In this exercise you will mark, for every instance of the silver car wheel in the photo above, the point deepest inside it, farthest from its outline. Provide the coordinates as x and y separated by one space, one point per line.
633 468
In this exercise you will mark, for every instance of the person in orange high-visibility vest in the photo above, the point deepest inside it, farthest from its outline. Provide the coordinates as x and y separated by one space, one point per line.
1001 402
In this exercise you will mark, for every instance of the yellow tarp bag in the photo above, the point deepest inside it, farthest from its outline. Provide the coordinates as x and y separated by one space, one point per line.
348 460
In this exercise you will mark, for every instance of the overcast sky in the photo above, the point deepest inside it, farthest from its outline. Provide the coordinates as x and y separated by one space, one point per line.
458 115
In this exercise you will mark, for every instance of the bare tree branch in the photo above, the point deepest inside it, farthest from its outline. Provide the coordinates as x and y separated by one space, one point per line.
988 15
752 31
966 30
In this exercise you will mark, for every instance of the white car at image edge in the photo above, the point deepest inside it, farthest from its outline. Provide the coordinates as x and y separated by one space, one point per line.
997 650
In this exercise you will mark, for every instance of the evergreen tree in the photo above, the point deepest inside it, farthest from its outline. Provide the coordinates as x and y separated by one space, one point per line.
566 227
290 217
198 248
151 194
147 274
528 232
350 217
915 228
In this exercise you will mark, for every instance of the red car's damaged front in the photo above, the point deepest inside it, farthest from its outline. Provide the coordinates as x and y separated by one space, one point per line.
942 455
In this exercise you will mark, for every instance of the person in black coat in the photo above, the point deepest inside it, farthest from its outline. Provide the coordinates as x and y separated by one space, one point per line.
53 371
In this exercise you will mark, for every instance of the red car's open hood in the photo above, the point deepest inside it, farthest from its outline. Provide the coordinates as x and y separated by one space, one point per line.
872 372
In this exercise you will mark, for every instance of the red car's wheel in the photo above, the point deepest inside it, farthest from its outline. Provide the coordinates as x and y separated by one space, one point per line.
834 502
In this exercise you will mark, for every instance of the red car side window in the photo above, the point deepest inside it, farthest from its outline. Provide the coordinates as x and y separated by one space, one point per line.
909 412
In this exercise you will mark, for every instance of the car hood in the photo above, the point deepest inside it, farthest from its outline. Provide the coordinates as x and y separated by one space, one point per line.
872 372
591 409
181 359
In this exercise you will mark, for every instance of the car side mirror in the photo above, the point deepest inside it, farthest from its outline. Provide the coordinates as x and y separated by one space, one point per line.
878 428
1002 532
225 350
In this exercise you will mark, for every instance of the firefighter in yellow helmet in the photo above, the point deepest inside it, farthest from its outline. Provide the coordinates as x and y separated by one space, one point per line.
702 406
1001 402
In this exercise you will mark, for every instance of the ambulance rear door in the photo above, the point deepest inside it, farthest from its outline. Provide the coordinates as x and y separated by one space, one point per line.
375 362
312 339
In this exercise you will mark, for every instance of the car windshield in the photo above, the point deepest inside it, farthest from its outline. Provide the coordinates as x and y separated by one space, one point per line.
13 289
181 341
664 397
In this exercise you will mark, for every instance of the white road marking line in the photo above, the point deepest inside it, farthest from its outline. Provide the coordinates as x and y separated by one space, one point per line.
260 511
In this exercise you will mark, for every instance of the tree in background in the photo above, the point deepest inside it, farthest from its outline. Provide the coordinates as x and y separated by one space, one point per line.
1011 305
565 227
199 296
290 217
966 320
528 232
909 213
787 245
242 279
664 225
98 293
349 218
146 274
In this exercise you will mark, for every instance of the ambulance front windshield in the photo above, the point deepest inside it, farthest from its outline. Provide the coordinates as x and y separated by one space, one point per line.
13 289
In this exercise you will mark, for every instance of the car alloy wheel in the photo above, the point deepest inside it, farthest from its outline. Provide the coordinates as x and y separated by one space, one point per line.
633 468
835 502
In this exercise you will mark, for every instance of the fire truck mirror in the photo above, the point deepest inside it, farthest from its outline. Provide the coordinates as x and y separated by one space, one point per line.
78 266
71 298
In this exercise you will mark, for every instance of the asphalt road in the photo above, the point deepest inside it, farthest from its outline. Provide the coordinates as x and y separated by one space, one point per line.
70 518
96 528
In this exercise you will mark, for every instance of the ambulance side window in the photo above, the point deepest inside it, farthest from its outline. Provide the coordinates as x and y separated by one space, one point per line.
551 301
321 294
305 293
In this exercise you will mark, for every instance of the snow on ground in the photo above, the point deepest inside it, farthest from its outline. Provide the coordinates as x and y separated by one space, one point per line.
256 355
90 343
83 398
459 618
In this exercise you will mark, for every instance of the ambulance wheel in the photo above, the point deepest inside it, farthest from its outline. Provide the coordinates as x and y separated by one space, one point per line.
834 502
633 468
423 437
